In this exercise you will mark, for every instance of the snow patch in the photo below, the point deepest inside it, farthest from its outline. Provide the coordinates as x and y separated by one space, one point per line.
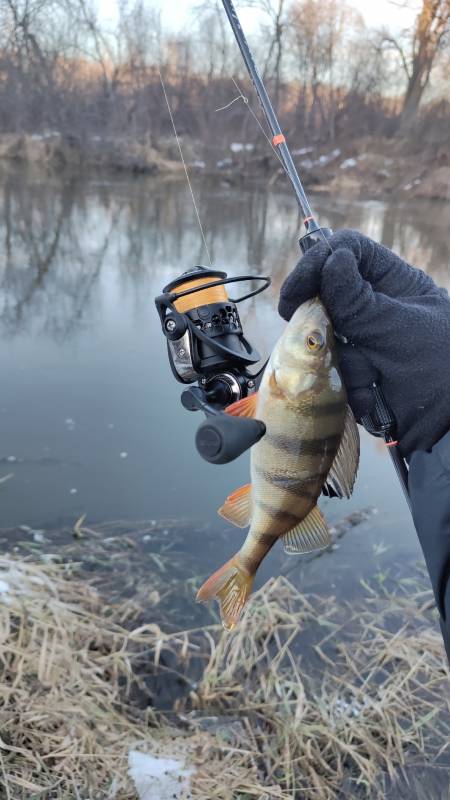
302 151
239 147
307 163
349 163
224 162
162 778
326 159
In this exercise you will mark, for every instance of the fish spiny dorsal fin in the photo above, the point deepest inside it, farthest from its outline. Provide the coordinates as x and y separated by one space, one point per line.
310 534
245 407
342 475
238 507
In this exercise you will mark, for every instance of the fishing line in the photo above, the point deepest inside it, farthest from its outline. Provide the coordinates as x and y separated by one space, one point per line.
242 96
185 168
245 100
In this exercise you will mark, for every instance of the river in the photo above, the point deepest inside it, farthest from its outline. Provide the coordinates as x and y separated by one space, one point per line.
90 417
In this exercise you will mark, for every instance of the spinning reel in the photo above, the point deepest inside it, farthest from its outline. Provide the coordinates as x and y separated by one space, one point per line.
207 347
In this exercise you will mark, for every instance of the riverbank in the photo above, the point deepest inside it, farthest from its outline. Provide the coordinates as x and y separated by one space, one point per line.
311 695
366 168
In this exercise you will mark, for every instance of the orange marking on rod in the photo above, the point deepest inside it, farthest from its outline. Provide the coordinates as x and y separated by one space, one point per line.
278 139
391 444
307 219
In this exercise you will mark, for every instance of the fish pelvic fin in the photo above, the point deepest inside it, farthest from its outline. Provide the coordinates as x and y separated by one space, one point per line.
231 586
342 475
310 534
237 508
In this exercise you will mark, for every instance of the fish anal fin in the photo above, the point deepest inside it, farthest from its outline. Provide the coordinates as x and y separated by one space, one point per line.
342 475
310 534
237 508
231 586
245 407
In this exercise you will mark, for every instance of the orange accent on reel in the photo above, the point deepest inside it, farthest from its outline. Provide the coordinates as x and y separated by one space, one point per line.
391 444
278 139
215 294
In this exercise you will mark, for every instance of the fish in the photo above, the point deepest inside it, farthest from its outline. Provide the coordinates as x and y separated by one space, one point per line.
311 444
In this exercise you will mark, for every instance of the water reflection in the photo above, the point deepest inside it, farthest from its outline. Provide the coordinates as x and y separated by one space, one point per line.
90 420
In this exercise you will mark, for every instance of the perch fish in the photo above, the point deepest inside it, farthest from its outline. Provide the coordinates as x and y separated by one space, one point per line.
311 444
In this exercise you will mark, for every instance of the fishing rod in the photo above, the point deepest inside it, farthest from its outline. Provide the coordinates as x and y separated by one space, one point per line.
206 346
382 421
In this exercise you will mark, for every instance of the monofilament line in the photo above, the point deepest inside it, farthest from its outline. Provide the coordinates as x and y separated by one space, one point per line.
185 168
245 100
241 96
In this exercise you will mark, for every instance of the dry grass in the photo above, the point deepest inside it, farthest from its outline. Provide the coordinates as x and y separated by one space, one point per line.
376 697
314 699
65 667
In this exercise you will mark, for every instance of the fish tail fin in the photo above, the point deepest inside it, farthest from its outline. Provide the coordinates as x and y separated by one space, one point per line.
231 585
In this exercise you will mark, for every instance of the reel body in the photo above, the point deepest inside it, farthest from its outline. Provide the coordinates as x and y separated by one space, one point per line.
206 346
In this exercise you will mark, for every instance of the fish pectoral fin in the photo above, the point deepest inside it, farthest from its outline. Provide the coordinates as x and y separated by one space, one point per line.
310 534
238 507
342 475
245 407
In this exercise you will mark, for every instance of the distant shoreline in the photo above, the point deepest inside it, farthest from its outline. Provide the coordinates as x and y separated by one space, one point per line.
368 167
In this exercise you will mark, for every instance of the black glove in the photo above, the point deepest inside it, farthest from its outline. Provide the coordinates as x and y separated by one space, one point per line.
397 325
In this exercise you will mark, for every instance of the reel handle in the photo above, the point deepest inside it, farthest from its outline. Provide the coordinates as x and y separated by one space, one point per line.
221 438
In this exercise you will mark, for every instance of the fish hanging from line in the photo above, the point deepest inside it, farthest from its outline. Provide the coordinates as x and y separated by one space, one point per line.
311 443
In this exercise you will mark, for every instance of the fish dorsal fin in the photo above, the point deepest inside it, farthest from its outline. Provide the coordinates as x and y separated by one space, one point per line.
238 507
310 534
342 475
245 407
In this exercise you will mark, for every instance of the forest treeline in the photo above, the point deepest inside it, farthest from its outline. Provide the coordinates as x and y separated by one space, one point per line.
64 69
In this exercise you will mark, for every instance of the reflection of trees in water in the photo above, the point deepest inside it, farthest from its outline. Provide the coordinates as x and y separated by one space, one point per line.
60 237
422 237
48 274
416 230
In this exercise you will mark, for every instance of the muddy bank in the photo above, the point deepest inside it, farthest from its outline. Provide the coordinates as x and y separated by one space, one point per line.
53 152
364 168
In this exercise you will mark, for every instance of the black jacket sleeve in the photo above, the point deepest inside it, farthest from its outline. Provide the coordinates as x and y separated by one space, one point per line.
429 486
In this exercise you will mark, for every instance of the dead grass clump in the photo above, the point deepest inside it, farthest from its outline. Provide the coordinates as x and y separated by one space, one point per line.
329 698
308 698
64 670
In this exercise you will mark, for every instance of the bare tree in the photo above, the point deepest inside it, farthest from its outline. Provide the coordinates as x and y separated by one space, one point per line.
274 38
418 55
321 34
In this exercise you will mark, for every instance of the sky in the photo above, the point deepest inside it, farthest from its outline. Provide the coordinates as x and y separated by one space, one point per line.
177 13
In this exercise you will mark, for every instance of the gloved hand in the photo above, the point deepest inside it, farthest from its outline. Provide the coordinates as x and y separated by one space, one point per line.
397 325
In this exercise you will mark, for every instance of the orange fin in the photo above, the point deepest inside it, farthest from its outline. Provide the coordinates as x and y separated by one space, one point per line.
231 586
238 507
245 407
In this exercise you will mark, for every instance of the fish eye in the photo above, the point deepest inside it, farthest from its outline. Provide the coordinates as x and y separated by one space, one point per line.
314 341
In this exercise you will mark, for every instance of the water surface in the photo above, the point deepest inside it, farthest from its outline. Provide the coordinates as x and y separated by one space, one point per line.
90 418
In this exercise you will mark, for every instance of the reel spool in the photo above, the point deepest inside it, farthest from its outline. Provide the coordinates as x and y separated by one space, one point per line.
206 345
